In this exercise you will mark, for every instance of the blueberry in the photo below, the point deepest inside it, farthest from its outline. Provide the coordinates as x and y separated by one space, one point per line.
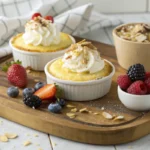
54 107
39 85
28 91
61 102
13 91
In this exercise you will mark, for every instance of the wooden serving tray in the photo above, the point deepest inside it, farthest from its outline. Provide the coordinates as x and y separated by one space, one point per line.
86 127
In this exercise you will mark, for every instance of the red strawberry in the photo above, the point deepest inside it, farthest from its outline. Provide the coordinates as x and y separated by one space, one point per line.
36 15
147 82
16 74
138 88
147 75
123 81
49 18
48 91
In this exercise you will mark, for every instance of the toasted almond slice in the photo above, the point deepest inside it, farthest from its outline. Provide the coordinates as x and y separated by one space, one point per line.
36 80
74 110
71 115
84 110
28 71
3 138
102 108
85 43
90 112
82 41
119 118
107 115
26 143
96 113
11 135
141 38
70 106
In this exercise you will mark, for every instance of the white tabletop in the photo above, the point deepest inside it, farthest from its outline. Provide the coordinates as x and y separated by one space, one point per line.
42 141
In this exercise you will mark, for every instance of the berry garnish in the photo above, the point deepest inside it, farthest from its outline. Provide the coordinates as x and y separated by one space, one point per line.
54 107
49 18
32 101
123 81
136 72
61 102
13 91
16 74
138 88
48 91
28 91
39 85
36 15
147 75
147 82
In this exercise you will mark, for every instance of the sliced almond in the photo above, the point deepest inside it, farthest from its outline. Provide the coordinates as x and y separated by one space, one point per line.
107 115
85 43
36 80
74 110
119 118
71 115
11 135
90 112
26 143
3 138
84 110
95 113
70 106
102 108
141 38
28 71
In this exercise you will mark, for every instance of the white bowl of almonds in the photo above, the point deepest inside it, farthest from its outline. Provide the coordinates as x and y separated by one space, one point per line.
132 43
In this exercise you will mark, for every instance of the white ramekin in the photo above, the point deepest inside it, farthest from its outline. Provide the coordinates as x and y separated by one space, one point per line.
134 102
35 60
82 91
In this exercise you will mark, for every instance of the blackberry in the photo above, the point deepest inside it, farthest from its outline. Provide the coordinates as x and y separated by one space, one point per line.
136 72
32 101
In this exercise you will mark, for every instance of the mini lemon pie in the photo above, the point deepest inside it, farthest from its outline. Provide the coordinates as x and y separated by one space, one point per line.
41 35
41 42
82 62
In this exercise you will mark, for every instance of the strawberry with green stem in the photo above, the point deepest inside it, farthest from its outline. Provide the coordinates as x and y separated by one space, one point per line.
16 74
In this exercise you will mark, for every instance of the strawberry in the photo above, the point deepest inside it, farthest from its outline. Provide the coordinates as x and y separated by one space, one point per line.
46 92
49 18
16 74
36 15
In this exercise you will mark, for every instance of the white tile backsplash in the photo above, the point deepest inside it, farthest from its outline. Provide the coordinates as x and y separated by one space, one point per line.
117 6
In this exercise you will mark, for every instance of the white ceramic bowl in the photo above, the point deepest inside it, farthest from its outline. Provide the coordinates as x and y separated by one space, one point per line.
134 102
36 60
82 91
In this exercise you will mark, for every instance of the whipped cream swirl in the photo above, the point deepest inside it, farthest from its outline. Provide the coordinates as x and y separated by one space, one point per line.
83 57
41 32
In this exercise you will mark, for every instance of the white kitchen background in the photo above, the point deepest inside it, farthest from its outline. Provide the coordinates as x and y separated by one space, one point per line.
119 6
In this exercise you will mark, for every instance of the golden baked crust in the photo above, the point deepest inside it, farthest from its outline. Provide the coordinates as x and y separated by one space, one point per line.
58 71
18 42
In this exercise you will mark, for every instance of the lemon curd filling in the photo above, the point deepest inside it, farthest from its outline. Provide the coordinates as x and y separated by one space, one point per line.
65 42
58 71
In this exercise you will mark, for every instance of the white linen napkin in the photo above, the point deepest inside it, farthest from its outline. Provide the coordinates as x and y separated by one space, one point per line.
74 21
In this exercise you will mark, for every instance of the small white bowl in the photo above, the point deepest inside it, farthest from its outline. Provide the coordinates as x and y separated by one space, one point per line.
82 91
36 60
134 102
